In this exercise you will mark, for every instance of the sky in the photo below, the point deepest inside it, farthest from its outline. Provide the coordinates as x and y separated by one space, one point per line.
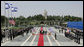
31 8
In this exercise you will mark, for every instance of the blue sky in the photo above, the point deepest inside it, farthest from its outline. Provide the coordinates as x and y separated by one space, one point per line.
27 8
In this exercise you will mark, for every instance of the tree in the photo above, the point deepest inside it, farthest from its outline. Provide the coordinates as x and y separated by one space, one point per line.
40 17
3 18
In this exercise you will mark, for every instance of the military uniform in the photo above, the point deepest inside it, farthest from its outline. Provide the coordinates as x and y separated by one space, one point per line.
78 37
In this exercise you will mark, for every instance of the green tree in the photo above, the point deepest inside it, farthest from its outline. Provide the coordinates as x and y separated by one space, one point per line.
3 18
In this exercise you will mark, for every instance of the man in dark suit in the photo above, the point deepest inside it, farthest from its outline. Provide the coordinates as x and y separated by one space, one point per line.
10 34
55 36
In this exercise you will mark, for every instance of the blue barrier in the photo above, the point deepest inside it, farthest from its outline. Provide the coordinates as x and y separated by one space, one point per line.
78 25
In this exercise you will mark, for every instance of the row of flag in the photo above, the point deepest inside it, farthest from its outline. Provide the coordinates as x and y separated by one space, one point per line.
13 9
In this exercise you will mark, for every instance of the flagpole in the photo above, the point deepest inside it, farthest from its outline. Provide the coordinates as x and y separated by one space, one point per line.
8 17
5 13
11 17
11 13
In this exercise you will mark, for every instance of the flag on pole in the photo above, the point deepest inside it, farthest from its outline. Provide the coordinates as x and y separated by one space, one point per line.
7 5
14 9
11 21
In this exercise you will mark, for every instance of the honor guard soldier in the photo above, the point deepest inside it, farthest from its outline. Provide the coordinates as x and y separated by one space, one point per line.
78 37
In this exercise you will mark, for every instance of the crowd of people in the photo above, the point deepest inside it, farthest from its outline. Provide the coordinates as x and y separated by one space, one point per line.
73 34
12 33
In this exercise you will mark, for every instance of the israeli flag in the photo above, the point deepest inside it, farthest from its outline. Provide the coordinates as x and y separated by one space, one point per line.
7 5
14 9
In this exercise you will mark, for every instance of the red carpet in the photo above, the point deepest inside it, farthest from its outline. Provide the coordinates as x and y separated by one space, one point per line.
41 40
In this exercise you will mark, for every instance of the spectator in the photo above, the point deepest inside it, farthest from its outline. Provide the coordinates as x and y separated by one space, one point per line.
62 30
59 30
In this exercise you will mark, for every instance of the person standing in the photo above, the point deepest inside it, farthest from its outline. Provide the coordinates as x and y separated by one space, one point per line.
68 32
13 33
10 35
65 32
62 29
7 34
78 37
30 30
1 37
74 35
22 32
41 30
45 31
26 31
78 40
59 30
55 36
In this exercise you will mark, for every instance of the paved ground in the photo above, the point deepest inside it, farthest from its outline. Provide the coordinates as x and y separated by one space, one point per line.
49 40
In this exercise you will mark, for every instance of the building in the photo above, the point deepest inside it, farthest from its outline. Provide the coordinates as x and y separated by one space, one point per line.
45 14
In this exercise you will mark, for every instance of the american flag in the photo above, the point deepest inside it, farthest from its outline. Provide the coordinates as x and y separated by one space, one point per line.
11 21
